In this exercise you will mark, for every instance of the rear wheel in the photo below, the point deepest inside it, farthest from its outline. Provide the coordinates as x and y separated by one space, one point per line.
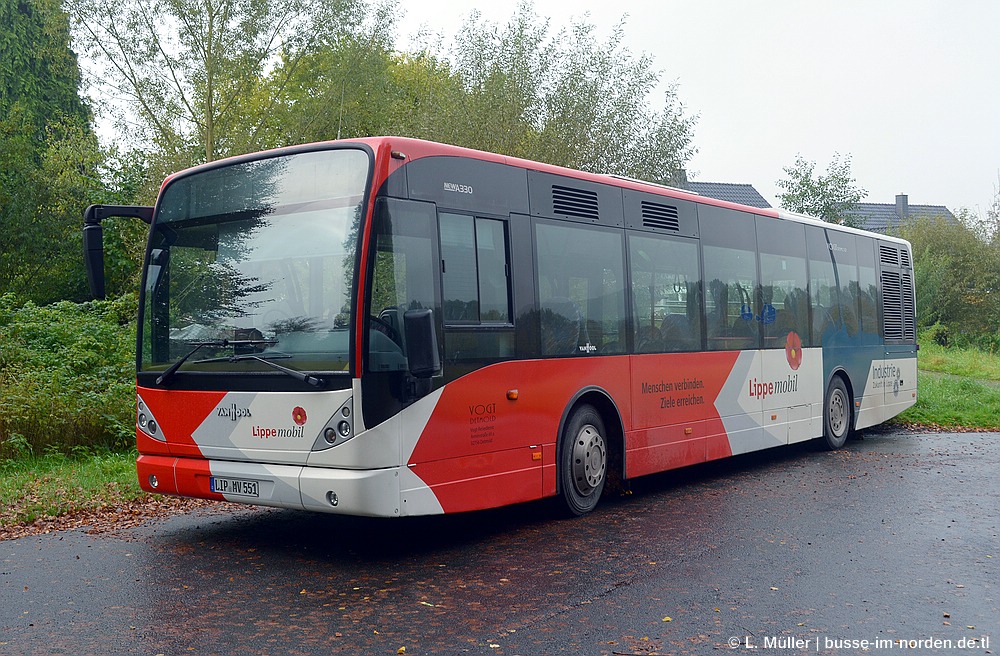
584 462
836 415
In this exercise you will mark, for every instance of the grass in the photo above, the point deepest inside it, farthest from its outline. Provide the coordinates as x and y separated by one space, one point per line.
954 403
55 484
957 388
966 362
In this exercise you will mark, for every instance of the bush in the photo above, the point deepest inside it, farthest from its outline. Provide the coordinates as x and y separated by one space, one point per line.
988 343
938 334
67 376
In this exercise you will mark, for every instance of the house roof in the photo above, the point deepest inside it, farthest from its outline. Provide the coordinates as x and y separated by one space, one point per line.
744 194
886 217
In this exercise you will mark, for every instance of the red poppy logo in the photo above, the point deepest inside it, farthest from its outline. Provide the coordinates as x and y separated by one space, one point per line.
298 415
793 350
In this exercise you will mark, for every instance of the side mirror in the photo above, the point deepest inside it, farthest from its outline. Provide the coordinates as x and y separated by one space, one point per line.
93 255
421 343
93 239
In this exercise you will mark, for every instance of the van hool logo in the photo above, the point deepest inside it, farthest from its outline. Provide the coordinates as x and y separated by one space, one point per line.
234 412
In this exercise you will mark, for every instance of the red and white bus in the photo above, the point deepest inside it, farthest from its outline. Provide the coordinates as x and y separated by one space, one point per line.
393 327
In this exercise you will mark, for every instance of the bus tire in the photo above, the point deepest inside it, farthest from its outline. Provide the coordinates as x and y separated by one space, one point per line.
836 415
584 467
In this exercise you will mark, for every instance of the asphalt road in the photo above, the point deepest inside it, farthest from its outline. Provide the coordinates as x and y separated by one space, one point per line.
893 540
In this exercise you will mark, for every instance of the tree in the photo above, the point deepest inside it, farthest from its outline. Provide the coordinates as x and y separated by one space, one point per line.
48 154
194 73
566 99
596 117
828 197
503 72
339 89
38 70
991 226
957 275
569 100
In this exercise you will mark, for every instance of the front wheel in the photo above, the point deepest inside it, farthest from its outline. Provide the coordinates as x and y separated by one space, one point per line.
836 415
584 461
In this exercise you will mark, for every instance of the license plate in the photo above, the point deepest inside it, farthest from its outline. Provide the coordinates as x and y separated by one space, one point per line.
234 486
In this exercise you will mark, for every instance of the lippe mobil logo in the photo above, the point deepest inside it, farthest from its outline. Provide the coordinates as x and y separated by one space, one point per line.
298 430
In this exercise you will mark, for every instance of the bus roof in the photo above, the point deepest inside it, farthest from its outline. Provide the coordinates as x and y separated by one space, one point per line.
409 148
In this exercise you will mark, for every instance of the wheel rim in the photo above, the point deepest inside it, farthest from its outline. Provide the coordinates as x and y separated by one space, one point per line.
589 460
838 413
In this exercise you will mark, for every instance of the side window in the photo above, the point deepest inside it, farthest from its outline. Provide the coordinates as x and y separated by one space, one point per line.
475 285
666 291
784 291
474 270
844 251
402 279
732 301
871 328
581 289
458 269
823 290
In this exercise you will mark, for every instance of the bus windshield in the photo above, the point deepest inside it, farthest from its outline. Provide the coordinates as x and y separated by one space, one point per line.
253 262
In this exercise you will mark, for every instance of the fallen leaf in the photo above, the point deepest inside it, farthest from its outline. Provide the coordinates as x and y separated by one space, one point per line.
401 650
668 619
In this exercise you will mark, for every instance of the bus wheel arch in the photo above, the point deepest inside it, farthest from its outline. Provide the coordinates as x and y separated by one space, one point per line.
838 412
590 451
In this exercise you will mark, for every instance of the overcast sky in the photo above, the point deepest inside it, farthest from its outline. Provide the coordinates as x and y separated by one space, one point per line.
910 89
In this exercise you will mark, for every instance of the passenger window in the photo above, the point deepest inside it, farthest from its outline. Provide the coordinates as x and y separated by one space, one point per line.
581 289
823 292
474 270
845 258
732 295
784 291
475 282
666 290
871 327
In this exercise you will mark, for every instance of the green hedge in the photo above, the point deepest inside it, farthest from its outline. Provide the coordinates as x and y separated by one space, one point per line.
67 376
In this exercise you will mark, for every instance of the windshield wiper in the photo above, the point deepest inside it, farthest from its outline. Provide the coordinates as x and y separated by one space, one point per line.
169 373
297 375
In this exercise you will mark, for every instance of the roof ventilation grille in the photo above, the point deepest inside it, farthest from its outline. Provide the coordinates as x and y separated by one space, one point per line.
664 217
580 203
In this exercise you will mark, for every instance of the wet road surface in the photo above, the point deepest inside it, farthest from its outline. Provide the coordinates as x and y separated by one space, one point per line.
894 538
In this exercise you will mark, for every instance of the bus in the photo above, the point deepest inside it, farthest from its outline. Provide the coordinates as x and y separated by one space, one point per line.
392 327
